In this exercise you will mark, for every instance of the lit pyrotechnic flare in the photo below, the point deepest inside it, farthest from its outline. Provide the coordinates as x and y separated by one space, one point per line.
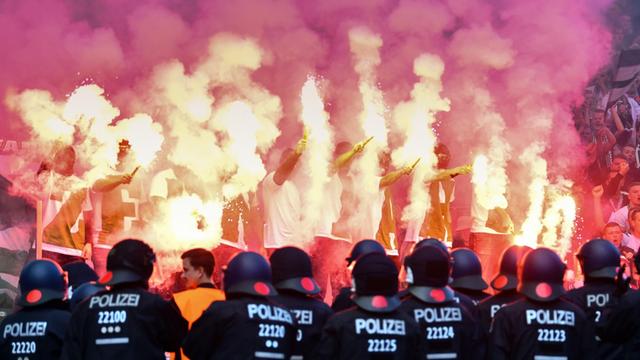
415 119
365 49
189 222
317 158
489 190
532 226
559 218
241 127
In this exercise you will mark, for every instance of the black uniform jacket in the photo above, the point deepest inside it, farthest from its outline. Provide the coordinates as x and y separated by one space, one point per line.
124 323
541 330
358 334
242 327
34 332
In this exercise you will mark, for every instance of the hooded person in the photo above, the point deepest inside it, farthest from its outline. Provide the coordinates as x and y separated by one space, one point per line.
36 331
504 283
248 324
126 320
448 327
375 327
542 324
599 260
343 300
467 275
297 291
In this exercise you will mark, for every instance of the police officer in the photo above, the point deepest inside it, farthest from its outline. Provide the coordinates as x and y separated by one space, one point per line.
459 297
293 279
343 299
37 330
375 328
541 325
621 321
599 260
467 275
505 283
127 321
248 325
449 329
84 292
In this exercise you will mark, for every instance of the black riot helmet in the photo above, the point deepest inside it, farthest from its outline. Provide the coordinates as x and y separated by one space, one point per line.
363 247
291 270
129 261
84 292
599 258
432 242
41 281
541 275
375 279
248 273
428 270
467 270
507 278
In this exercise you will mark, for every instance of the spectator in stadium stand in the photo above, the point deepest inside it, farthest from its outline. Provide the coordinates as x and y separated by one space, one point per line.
629 153
116 201
620 216
197 270
613 232
621 175
631 239
64 210
437 221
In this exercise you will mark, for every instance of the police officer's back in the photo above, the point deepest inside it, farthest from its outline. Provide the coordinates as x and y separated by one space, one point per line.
449 329
599 260
293 279
248 324
37 330
343 300
126 321
375 328
542 325
505 283
459 297
467 275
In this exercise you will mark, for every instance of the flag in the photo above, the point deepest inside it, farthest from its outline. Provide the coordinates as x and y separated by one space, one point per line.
628 69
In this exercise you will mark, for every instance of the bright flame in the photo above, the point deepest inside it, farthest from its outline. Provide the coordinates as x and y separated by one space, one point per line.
365 49
532 226
415 119
241 127
488 190
143 134
559 218
316 159
189 222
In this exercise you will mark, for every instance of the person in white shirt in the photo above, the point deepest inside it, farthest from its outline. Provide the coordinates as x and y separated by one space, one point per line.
621 216
631 239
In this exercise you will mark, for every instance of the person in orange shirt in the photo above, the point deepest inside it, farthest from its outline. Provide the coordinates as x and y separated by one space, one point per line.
197 269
